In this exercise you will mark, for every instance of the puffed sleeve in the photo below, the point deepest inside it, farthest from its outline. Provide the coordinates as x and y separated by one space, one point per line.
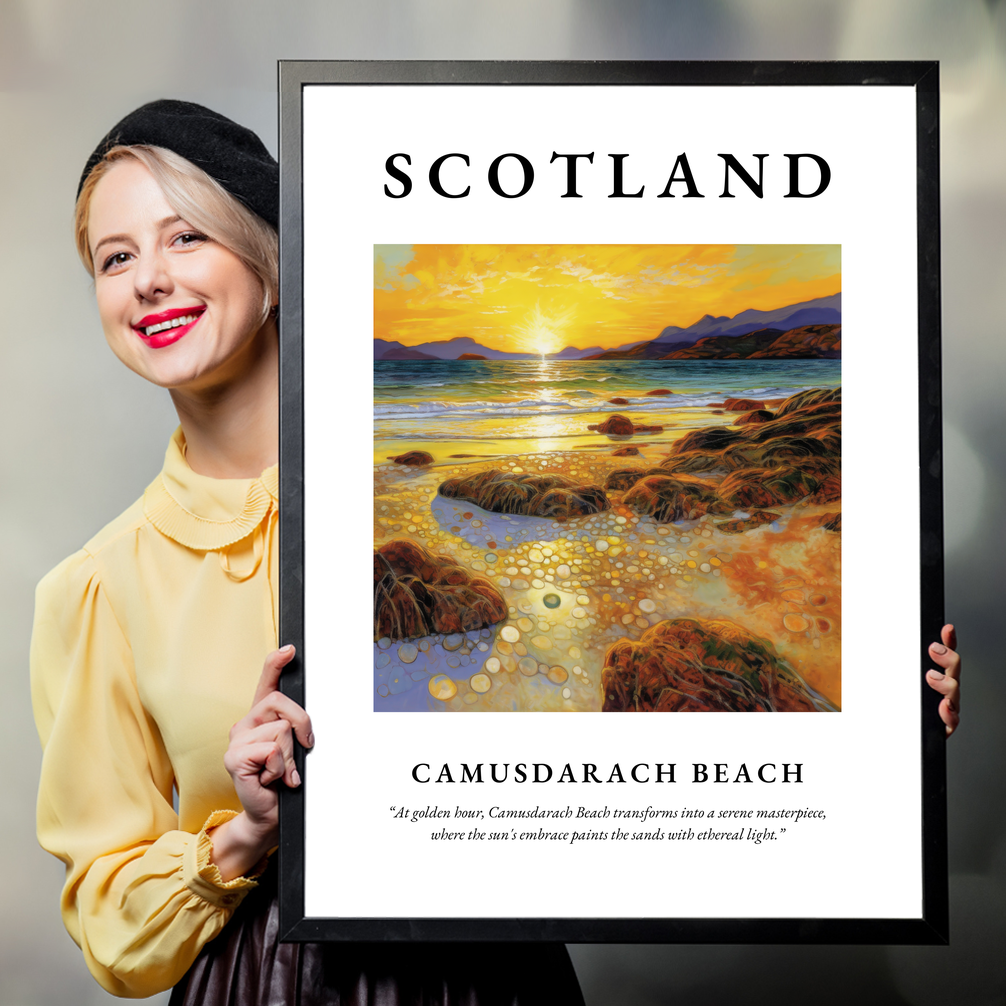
141 898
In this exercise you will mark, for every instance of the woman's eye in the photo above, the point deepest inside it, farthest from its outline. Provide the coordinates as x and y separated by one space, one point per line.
190 238
114 261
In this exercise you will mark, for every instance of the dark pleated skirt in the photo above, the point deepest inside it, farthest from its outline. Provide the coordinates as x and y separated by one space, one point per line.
246 965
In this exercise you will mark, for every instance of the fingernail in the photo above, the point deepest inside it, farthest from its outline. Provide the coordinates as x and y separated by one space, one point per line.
295 777
937 675
287 649
310 740
938 648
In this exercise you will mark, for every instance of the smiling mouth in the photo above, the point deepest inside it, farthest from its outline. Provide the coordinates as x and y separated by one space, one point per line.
163 326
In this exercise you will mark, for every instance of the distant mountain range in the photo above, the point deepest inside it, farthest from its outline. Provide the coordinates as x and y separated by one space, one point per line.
813 328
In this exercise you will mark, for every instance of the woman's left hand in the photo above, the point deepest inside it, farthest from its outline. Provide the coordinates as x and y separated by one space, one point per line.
948 681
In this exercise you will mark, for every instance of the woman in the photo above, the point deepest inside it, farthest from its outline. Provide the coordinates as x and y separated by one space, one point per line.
148 643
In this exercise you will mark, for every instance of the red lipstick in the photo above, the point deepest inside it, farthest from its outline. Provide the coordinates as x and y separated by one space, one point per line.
165 333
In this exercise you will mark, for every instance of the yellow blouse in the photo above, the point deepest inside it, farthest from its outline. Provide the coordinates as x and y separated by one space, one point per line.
147 647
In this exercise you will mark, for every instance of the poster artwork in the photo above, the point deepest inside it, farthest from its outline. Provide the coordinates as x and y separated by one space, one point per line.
607 478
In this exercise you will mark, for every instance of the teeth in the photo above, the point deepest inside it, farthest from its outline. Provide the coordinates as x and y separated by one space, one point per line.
173 323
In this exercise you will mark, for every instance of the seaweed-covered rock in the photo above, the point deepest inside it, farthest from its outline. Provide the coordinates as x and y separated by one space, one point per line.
619 426
709 438
625 478
742 404
692 665
417 593
669 498
530 495
814 396
625 452
755 418
740 525
762 488
414 458
831 522
829 491
692 461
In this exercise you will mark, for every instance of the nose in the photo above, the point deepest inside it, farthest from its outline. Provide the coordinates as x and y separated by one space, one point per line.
152 276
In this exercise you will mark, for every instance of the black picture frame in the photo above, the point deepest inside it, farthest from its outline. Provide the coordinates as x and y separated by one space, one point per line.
932 925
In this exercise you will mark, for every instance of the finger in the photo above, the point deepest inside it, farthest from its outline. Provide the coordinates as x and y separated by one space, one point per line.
271 670
950 716
261 760
276 706
948 659
280 733
944 684
949 636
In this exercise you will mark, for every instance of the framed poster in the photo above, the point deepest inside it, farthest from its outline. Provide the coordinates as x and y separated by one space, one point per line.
563 364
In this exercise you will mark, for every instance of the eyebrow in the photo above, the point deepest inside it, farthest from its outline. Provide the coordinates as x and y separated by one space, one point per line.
160 225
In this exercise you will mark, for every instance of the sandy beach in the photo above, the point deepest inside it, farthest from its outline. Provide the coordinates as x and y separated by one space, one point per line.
573 588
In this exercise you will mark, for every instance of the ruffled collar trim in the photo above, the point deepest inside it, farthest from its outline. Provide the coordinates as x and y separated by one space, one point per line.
203 513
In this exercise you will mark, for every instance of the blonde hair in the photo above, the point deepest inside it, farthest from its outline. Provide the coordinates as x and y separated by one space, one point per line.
199 200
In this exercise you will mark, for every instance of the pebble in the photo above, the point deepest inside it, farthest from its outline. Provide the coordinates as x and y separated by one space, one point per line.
551 600
542 643
382 660
454 641
566 693
520 584
582 599
562 571
525 624
574 652
578 612
528 666
795 623
502 646
480 683
510 633
384 643
492 665
647 606
535 555
537 583
442 687
601 545
408 652
503 581
520 649
557 674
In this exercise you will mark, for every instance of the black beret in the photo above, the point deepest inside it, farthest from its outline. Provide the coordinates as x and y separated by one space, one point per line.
230 154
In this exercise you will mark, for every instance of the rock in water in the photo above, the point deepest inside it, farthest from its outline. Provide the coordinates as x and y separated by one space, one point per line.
618 401
625 452
693 665
417 593
414 458
619 426
551 496
660 392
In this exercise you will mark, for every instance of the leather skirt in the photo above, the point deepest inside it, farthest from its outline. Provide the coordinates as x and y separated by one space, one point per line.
246 965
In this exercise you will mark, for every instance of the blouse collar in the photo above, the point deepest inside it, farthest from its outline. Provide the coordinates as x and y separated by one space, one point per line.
204 513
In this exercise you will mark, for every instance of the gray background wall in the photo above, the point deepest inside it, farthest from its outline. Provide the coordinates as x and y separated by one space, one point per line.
82 436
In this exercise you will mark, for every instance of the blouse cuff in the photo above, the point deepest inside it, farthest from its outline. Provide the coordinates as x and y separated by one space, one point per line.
202 876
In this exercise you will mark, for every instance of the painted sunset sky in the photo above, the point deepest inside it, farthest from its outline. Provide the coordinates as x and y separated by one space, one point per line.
542 298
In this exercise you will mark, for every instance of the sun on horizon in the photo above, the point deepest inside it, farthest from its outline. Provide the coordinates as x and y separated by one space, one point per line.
543 298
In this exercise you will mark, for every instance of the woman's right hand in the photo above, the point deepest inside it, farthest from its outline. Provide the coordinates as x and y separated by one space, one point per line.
259 754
